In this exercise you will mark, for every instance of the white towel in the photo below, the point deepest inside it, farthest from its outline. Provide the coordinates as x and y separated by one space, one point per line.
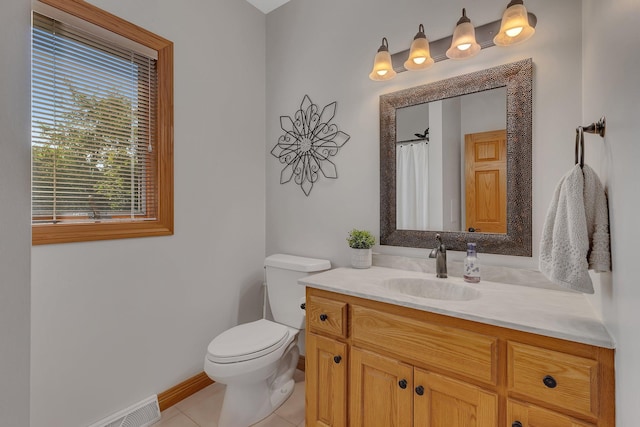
597 212
575 235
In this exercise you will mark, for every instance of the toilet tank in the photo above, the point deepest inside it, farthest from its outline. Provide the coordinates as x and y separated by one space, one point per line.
284 292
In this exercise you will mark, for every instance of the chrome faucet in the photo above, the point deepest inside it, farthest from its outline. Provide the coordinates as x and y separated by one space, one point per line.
440 254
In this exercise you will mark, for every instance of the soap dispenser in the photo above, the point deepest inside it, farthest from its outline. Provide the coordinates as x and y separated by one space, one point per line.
471 265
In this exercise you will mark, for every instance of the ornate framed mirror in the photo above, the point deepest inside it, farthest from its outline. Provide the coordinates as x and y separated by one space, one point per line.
514 238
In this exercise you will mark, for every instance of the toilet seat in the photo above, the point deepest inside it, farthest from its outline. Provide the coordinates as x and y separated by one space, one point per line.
247 341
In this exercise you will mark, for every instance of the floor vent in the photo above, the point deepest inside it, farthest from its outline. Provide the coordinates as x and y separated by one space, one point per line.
141 414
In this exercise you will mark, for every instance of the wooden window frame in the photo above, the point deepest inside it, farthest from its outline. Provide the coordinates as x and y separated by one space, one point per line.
163 224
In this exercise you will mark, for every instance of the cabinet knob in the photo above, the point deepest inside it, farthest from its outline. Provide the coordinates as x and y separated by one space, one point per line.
337 359
419 390
303 306
402 384
549 381
516 424
323 317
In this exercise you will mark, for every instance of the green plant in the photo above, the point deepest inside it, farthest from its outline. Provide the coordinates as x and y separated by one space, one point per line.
361 239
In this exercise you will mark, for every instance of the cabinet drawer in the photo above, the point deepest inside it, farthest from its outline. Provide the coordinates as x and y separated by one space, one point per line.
455 350
530 415
325 315
561 379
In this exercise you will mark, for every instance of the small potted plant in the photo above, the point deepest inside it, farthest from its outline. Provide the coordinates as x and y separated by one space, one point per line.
360 242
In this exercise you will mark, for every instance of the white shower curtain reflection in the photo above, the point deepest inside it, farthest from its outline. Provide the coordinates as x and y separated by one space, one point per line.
412 186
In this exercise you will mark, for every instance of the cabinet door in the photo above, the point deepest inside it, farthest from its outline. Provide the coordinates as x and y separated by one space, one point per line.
525 415
326 382
443 402
381 391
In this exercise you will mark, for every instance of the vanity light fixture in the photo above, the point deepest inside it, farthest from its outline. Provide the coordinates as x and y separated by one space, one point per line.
382 66
463 44
419 55
514 27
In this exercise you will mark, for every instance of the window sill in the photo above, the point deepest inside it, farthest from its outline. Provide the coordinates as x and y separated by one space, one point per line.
42 234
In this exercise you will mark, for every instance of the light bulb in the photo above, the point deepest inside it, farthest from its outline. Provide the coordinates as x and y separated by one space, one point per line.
381 72
419 60
513 32
464 46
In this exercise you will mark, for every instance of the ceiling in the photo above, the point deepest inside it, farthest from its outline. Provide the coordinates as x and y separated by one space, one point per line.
267 6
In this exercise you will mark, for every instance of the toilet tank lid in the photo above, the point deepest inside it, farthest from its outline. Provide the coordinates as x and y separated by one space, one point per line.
297 263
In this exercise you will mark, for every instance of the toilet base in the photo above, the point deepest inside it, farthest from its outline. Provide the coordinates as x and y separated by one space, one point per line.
237 409
247 403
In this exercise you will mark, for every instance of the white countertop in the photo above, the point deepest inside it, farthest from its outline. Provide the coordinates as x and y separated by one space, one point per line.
551 313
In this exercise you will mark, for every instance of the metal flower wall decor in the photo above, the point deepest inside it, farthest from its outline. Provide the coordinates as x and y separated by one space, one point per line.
309 140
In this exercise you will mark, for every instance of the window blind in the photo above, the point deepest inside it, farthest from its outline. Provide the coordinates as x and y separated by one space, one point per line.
93 125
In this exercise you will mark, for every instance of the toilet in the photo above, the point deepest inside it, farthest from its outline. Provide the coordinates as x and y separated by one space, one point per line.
257 360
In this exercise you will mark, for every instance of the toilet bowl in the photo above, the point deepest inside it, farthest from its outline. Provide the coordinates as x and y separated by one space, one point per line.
257 360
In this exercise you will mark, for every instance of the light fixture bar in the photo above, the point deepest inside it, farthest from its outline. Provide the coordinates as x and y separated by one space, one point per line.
484 36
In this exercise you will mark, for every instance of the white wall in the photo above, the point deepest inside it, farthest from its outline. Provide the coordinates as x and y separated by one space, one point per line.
411 120
325 49
15 207
493 107
451 155
611 61
114 322
436 162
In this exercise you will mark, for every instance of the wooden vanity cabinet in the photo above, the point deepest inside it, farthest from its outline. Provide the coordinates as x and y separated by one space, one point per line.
411 368
449 402
326 362
385 392
381 391
326 368
533 416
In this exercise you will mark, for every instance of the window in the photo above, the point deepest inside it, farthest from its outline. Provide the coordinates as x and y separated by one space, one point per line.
102 121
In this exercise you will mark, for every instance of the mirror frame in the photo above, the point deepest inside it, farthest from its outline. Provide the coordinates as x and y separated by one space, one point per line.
517 78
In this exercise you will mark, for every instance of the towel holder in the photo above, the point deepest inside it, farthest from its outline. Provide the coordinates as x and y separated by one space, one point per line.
596 127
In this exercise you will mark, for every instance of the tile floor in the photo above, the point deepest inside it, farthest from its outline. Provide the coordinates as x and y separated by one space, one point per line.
202 409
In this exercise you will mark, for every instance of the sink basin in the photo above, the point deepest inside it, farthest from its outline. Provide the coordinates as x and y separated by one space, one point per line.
431 288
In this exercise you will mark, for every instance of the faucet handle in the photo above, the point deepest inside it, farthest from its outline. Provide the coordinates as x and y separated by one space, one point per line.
433 252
